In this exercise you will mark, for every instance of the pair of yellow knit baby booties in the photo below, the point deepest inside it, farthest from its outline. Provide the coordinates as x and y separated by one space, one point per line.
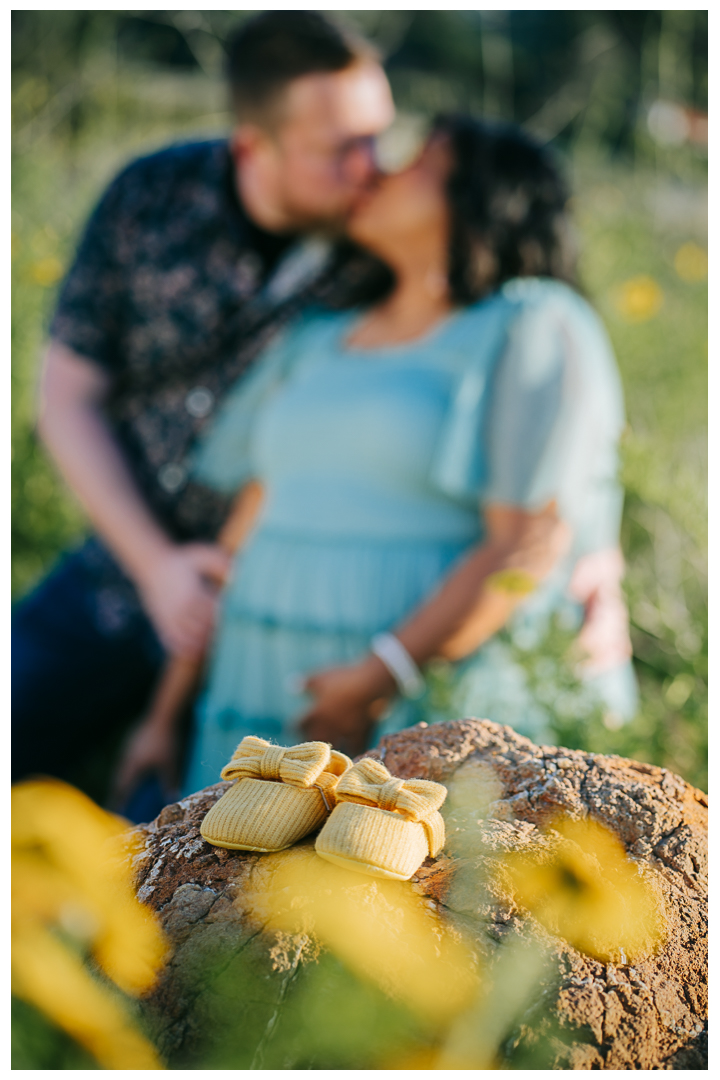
374 823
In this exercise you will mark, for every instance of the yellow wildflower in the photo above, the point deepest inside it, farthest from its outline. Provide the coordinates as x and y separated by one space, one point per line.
382 930
46 272
638 299
48 975
511 580
691 263
587 891
67 878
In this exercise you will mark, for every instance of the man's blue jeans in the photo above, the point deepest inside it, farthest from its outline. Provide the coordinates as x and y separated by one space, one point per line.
84 663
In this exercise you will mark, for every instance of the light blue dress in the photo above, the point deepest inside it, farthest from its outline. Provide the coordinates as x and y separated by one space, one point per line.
375 465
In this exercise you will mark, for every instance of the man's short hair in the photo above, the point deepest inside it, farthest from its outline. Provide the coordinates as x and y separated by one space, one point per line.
271 49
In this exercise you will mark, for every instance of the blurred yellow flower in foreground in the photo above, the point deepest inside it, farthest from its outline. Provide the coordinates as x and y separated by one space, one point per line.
46 272
587 891
381 929
691 262
638 299
517 582
71 881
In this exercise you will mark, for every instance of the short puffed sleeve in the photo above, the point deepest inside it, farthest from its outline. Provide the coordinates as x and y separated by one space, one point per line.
555 413
91 308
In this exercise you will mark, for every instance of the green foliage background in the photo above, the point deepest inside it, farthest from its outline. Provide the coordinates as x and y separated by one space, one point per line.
92 89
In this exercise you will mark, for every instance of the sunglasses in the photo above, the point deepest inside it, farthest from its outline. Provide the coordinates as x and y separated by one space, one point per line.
400 145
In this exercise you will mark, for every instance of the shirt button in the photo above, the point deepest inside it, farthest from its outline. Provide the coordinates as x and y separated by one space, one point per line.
199 401
172 477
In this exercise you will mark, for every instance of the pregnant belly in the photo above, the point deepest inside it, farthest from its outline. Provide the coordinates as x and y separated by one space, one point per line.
328 507
342 585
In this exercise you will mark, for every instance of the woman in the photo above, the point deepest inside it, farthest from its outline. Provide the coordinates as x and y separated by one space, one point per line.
431 463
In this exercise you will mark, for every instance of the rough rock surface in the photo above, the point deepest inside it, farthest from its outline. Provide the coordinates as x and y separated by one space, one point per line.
647 1015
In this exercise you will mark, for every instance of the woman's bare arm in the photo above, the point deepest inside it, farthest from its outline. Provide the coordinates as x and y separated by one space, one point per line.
477 599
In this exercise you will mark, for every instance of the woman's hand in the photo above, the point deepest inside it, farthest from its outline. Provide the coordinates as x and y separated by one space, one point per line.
348 701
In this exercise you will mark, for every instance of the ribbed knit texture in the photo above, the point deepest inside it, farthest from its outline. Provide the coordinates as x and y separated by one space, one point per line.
373 838
281 795
382 821
261 815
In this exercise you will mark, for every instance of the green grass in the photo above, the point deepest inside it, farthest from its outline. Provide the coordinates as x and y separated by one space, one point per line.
37 1043
631 222
632 225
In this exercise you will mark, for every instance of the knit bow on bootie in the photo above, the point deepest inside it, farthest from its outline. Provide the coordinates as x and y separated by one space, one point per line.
370 784
382 825
281 794
300 766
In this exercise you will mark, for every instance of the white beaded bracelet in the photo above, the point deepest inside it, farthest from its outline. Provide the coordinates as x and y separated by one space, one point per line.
399 663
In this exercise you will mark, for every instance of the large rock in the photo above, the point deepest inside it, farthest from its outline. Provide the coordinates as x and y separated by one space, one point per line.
231 994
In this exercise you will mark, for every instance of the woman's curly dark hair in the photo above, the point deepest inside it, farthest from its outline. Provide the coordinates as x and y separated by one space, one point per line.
508 205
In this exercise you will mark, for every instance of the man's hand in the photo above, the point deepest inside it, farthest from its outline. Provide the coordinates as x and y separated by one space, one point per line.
348 701
179 591
152 749
604 641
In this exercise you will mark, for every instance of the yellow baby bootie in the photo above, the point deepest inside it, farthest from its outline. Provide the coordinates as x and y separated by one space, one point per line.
383 826
282 793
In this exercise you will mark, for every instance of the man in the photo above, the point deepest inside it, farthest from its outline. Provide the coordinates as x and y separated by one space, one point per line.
189 264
